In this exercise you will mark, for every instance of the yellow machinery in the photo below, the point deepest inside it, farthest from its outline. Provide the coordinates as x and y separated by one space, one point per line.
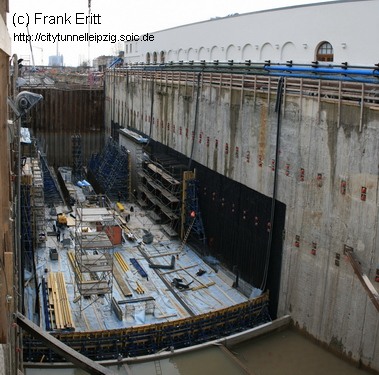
61 220
120 207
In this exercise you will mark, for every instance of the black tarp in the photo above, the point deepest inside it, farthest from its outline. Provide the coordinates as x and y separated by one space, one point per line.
237 223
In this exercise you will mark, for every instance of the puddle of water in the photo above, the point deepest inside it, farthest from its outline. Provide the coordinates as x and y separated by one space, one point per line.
280 353
289 353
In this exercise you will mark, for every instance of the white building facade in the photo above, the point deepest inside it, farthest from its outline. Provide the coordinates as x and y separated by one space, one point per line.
336 31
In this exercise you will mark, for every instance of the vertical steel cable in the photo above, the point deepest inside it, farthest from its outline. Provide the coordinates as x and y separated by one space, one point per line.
278 107
195 120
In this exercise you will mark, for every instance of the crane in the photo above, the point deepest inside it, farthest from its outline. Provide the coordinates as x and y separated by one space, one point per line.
41 49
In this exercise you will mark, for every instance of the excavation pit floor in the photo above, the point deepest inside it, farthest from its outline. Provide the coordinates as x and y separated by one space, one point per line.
153 297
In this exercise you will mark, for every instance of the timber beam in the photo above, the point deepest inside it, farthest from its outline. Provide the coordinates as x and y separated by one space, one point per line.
59 347
365 281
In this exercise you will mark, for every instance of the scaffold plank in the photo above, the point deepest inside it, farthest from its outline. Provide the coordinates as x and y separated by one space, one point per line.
121 282
90 287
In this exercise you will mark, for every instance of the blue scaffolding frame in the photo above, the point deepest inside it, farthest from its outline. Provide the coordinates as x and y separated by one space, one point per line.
192 205
110 168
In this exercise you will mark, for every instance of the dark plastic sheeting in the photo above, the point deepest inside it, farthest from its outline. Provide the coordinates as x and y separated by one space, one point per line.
233 235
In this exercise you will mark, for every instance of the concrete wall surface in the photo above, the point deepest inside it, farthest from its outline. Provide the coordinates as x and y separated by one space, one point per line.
327 152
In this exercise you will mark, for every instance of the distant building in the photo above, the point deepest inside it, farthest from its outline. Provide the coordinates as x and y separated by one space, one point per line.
100 63
56 60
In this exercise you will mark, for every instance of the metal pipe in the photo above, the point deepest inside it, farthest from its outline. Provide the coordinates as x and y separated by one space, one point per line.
321 69
356 79
336 73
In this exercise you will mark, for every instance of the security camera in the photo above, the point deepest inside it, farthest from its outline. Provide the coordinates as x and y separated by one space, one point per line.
25 100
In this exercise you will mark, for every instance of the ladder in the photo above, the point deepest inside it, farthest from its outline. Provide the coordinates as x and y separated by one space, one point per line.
181 247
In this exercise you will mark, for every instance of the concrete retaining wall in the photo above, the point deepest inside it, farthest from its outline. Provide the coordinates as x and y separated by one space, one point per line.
326 144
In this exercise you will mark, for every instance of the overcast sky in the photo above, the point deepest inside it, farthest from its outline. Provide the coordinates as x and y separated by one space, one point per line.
115 17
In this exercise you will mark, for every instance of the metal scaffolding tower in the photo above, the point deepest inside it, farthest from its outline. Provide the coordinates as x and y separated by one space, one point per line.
96 234
38 201
77 169
110 168
191 214
51 189
160 192
32 209
27 248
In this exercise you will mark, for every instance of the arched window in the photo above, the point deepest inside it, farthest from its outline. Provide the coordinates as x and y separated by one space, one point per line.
162 57
148 58
325 52
155 58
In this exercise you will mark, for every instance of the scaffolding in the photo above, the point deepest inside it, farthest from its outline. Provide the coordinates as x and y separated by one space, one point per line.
38 202
96 234
32 210
27 248
77 159
110 168
160 191
192 206
52 192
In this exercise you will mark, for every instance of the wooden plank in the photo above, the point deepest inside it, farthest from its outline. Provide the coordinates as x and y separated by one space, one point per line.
95 263
121 282
64 301
364 280
136 300
59 306
74 265
162 255
90 287
178 269
122 262
116 308
235 359
203 286
92 240
164 175
226 295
